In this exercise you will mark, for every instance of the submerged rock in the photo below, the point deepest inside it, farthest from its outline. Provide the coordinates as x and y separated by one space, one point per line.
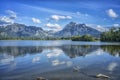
77 68
102 76
41 78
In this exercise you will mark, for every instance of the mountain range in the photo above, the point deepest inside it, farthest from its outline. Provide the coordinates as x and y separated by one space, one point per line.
71 29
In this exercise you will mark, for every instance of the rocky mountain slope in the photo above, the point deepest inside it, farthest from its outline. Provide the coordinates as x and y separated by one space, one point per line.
20 30
74 29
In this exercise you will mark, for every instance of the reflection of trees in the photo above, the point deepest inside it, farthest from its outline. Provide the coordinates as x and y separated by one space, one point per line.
70 50
78 50
112 49
20 50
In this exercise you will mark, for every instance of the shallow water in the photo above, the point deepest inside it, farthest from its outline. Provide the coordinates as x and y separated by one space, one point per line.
58 60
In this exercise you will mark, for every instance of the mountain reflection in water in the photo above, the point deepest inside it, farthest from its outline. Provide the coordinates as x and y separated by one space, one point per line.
70 50
57 62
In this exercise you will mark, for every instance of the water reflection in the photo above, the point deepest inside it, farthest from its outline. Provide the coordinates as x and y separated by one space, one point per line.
53 51
113 50
18 50
74 50
29 62
112 66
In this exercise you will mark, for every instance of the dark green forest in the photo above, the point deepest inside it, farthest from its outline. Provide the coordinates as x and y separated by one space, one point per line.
84 38
112 36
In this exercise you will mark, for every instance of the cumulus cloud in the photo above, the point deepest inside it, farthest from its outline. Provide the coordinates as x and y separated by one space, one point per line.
35 20
59 17
111 13
53 26
5 20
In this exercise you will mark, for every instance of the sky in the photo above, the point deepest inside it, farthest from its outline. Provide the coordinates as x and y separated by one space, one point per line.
55 14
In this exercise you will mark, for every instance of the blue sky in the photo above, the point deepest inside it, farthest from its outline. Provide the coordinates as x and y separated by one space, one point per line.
55 14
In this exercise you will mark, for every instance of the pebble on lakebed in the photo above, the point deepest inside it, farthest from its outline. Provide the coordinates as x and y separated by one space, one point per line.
77 68
41 78
102 76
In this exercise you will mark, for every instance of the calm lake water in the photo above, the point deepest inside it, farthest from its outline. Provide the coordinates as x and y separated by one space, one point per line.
58 60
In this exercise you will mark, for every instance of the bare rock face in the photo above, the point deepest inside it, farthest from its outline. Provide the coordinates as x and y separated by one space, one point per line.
74 29
21 30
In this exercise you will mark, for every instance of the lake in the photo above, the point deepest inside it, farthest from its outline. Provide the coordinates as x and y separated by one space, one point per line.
58 60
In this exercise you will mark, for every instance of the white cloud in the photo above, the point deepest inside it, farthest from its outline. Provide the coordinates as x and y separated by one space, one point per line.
56 26
53 26
81 16
116 25
111 13
68 17
5 20
78 14
59 17
12 14
100 28
35 20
